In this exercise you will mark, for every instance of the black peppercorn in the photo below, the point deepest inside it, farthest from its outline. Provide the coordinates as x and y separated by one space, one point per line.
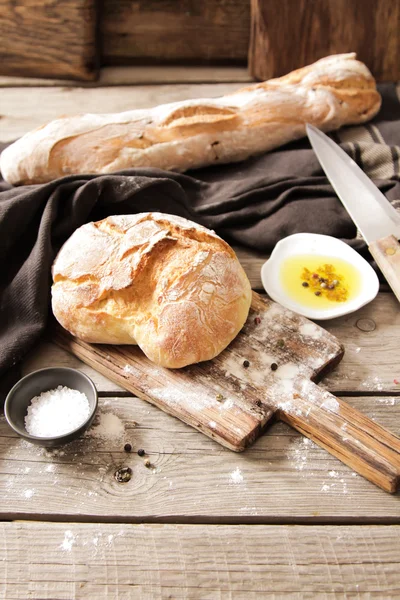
317 293
304 284
274 367
127 447
246 364
141 452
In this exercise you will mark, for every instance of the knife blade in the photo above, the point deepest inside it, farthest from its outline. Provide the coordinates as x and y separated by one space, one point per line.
377 220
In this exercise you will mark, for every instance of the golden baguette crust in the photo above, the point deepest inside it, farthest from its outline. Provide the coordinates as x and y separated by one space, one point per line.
169 285
336 90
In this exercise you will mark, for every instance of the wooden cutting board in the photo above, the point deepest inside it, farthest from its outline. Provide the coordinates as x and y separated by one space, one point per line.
269 370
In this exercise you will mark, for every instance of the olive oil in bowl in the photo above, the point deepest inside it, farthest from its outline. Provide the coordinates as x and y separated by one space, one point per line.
319 281
318 276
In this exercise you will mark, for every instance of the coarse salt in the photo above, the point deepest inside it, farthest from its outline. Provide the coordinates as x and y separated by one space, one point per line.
56 412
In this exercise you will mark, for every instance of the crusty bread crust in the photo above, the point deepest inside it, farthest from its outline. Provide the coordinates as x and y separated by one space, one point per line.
169 285
334 91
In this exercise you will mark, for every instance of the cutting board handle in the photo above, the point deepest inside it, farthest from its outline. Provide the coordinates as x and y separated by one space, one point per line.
346 433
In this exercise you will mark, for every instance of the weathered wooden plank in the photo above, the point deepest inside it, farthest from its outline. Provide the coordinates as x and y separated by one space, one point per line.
48 39
312 30
174 31
371 361
140 75
57 561
282 478
45 105
370 336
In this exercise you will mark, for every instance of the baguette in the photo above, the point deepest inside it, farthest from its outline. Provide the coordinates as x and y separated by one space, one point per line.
336 90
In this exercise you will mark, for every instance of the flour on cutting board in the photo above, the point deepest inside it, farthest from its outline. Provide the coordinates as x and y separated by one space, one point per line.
331 404
196 397
129 370
256 373
311 330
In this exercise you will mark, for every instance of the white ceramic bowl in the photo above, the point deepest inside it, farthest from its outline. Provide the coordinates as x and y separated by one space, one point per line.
320 245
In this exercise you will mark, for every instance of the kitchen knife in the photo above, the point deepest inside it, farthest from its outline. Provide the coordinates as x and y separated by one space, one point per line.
377 220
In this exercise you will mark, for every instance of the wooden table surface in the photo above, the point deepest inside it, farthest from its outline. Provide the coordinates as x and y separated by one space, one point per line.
283 519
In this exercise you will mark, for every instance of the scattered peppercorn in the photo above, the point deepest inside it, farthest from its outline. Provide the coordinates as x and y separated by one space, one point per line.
317 293
147 463
128 448
304 284
258 403
246 364
280 343
314 275
141 452
257 320
323 285
274 367
219 397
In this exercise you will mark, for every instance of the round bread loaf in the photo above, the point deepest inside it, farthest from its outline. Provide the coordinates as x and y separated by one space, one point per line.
169 285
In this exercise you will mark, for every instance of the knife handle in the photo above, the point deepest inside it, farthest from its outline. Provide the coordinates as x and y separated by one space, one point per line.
386 253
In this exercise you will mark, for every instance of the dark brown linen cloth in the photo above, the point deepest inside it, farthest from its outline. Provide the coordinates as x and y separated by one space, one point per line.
254 203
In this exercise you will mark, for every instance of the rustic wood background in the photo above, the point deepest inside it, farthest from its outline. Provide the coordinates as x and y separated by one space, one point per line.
49 39
303 31
69 38
175 31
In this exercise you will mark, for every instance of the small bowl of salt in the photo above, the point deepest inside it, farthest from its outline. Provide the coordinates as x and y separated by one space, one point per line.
51 407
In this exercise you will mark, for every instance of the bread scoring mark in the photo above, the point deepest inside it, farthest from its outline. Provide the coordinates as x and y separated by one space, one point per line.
103 145
200 113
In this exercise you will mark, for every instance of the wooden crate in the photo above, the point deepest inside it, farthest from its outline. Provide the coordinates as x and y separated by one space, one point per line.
48 39
287 34
189 31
